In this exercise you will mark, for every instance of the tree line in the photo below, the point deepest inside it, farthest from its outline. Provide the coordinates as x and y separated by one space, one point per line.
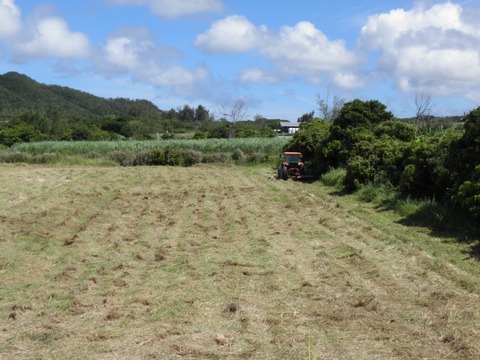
30 112
137 124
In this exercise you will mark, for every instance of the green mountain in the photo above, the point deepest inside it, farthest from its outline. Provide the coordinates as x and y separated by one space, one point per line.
19 93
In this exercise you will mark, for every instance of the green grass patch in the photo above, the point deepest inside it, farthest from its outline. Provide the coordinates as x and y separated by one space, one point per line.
374 194
334 178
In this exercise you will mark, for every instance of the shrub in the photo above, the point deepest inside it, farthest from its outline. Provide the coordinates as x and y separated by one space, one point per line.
172 157
396 129
200 135
425 173
44 158
238 155
11 157
359 171
215 158
191 157
468 194
154 157
123 158
142 158
256 158
464 153
20 157
309 139
355 123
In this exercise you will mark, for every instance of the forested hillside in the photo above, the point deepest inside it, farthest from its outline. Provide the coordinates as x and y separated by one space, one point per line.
19 93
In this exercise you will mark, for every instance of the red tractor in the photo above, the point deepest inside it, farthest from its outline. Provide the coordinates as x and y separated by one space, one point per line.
292 166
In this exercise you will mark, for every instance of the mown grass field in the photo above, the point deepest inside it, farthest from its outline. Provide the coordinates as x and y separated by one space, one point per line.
221 262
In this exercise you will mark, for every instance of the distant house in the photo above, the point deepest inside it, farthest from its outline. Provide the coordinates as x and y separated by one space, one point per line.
287 127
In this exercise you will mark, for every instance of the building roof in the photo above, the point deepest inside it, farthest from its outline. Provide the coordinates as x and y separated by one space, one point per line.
289 124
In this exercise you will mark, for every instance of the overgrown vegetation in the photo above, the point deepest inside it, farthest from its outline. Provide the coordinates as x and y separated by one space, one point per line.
376 150
154 152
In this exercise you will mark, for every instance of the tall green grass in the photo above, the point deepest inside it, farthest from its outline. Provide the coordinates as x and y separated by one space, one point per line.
334 178
206 146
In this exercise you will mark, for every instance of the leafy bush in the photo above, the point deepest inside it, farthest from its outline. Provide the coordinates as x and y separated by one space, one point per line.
44 158
425 173
172 157
238 155
256 158
395 129
142 158
191 157
309 139
200 135
355 123
215 158
19 132
359 171
7 156
155 157
123 158
376 160
464 154
11 157
468 194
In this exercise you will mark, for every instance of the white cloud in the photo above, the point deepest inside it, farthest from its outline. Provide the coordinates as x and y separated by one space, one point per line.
230 35
348 80
256 75
176 76
50 37
9 18
127 52
435 49
305 49
175 8
299 50
133 52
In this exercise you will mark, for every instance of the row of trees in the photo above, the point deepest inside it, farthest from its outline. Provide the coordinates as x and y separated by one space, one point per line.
139 122
374 147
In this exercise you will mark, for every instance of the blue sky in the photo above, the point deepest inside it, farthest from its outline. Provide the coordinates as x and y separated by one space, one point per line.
279 56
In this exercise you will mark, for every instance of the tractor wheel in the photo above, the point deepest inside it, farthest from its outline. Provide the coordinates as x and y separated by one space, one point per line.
284 173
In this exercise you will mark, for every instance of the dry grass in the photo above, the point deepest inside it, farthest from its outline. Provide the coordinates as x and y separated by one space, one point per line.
220 262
